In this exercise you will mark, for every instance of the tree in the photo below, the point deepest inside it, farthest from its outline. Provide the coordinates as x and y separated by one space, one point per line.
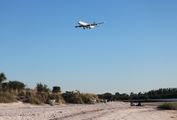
5 86
108 96
56 89
42 88
16 85
2 78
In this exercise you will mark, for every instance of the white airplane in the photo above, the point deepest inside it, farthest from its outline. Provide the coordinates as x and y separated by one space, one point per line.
86 25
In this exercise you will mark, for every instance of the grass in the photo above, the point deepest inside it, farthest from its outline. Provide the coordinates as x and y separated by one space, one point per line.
88 97
6 97
34 97
168 106
57 97
35 101
79 98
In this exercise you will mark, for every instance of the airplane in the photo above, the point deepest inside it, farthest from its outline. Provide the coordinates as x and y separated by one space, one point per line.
86 25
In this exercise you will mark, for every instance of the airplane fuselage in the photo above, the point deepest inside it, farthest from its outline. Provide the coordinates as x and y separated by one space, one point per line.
85 25
82 23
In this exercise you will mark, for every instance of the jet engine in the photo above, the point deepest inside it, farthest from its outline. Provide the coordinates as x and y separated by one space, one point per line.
91 27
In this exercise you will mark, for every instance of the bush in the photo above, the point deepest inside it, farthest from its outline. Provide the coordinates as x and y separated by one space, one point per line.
56 89
22 93
79 98
6 97
57 97
88 98
72 97
168 106
32 100
16 85
42 97
42 88
31 92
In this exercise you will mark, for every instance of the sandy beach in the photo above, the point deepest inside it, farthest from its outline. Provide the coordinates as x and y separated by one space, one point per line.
100 111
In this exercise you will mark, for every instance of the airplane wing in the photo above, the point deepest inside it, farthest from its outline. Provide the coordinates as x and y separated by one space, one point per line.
94 24
79 26
83 25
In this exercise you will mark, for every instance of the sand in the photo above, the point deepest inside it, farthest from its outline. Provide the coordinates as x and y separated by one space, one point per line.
100 111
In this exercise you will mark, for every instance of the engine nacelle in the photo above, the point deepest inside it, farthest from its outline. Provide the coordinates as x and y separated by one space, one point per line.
91 27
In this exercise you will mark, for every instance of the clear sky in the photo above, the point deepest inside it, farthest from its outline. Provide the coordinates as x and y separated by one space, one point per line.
134 51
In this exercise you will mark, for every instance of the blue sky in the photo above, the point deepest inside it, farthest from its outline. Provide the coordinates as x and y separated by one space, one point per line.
134 51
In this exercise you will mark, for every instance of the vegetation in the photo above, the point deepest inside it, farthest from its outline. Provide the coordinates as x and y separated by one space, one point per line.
2 78
57 97
32 100
42 88
42 97
168 106
116 96
14 90
13 85
6 97
56 89
88 98
162 93
79 98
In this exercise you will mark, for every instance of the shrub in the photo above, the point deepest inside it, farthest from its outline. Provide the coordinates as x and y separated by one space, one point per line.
168 106
42 88
88 98
33 95
79 98
31 92
16 85
57 97
15 92
32 100
72 97
6 97
42 97
56 89
22 92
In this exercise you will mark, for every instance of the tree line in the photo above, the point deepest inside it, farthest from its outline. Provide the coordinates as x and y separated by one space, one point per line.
162 93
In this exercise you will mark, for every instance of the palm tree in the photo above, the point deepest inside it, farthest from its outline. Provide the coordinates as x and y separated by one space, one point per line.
2 78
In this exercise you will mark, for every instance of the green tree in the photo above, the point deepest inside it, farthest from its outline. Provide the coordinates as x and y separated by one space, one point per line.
108 96
5 86
2 78
56 89
16 85
42 88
